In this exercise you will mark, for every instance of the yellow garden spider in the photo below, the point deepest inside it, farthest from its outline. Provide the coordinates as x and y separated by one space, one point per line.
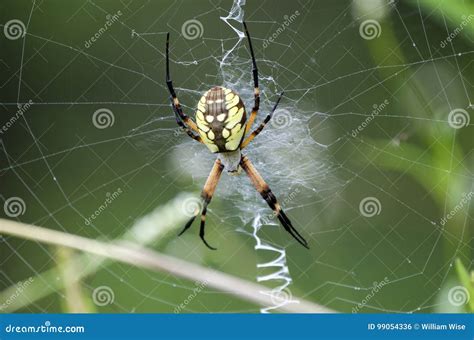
221 124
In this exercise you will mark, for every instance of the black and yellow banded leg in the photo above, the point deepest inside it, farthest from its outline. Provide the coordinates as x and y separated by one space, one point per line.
262 125
256 105
254 113
264 190
187 130
174 99
206 196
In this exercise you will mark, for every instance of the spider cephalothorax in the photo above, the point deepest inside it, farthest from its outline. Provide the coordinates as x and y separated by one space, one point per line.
222 125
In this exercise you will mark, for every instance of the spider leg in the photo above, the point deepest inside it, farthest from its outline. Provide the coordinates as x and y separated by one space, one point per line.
174 99
203 224
256 105
206 196
188 224
262 125
264 190
186 129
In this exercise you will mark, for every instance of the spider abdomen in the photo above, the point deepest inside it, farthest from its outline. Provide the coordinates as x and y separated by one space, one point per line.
221 119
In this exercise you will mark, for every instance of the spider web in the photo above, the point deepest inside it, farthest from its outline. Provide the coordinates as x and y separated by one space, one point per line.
63 165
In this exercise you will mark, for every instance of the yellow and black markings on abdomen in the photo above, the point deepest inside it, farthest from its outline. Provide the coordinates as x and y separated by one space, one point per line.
221 118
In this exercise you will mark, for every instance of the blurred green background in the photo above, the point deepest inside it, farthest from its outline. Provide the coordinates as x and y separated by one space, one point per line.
412 66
